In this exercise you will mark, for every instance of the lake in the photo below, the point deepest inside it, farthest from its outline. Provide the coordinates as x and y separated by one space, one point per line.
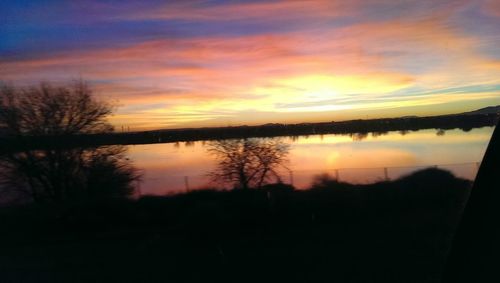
179 167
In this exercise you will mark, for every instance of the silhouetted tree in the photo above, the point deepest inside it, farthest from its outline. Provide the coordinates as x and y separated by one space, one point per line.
51 110
249 163
58 174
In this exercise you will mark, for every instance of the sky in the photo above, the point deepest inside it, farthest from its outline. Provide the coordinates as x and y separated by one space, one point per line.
174 64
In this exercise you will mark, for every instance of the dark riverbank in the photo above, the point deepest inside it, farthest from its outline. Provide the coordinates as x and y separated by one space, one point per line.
465 122
396 231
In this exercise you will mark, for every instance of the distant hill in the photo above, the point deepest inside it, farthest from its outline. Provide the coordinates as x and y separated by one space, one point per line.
486 110
485 117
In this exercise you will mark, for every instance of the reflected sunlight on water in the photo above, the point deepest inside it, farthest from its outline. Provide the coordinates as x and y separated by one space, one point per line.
351 158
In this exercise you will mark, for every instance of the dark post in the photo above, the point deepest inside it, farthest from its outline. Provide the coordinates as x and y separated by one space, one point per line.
186 183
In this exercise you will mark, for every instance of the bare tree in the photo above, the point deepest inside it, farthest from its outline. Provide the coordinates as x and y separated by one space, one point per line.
50 110
249 163
60 174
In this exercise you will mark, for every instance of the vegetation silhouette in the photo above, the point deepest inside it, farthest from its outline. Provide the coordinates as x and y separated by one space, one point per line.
47 110
358 129
390 231
57 173
248 163
61 175
394 231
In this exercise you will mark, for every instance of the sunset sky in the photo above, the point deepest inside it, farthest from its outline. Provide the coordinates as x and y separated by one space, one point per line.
171 64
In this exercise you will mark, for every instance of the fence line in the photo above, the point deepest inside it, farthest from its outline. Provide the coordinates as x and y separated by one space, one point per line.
394 167
303 178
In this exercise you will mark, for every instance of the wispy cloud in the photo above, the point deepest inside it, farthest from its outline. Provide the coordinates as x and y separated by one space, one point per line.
202 62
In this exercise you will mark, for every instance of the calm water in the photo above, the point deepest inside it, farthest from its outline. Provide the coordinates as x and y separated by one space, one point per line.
176 167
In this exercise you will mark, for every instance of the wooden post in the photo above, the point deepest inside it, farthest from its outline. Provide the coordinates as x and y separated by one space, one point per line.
186 183
386 174
337 176
138 189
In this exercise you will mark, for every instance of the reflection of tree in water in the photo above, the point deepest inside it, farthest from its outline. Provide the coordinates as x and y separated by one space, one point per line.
249 163
358 136
379 133
68 174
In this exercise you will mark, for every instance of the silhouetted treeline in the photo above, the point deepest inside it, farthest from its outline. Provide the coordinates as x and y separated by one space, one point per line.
398 231
360 127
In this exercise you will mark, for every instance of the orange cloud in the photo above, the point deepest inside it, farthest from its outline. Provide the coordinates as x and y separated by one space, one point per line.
316 68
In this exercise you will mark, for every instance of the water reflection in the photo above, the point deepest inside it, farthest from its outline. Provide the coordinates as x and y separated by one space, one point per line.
58 175
248 163
358 160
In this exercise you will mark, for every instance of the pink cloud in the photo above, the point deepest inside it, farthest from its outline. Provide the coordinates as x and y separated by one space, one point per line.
262 11
491 7
424 51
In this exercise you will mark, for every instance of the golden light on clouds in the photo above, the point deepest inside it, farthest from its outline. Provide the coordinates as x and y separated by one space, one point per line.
195 63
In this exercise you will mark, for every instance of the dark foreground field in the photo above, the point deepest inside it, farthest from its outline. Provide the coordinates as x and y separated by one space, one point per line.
396 231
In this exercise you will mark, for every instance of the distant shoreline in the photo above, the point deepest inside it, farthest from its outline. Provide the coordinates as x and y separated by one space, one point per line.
465 121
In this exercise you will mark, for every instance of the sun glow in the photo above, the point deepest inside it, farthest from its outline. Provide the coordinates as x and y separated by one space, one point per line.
325 92
349 84
185 65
